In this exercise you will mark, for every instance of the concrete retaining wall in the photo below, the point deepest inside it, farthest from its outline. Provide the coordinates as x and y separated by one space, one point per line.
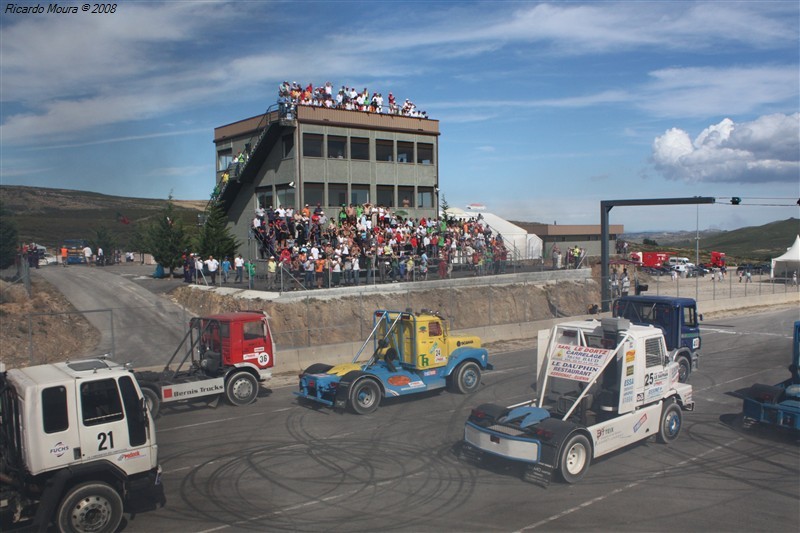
294 360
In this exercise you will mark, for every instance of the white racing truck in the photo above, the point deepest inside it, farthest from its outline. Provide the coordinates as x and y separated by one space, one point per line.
601 385
77 446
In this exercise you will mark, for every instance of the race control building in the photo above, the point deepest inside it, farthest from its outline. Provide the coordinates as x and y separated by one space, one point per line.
326 157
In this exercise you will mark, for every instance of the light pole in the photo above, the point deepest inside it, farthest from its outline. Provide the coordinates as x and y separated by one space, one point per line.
697 253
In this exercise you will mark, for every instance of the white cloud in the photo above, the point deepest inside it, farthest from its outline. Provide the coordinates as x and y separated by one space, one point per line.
762 151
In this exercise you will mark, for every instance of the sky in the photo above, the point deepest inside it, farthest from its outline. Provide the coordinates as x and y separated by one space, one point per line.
545 108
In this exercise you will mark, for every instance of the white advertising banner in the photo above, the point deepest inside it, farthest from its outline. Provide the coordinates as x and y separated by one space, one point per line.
578 363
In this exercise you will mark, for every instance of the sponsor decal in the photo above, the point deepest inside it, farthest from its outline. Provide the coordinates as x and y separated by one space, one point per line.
187 390
628 382
429 373
628 397
130 455
578 363
639 423
59 449
628 370
259 349
640 397
246 356
630 356
399 381
604 432
464 343
415 385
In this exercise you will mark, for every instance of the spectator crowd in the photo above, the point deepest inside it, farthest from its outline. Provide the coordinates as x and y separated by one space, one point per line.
307 249
291 95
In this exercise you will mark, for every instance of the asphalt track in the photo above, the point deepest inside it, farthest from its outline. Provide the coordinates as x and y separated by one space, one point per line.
276 465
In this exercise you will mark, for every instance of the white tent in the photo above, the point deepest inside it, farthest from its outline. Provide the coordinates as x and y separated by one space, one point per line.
784 265
520 244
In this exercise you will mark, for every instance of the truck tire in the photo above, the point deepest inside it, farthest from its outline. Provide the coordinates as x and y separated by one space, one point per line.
684 369
92 507
466 378
575 458
365 396
241 388
152 401
670 425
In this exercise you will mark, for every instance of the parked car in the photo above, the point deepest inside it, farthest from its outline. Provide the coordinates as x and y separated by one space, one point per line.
695 272
47 259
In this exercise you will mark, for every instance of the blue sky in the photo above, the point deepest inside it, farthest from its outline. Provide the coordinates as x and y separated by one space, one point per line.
545 109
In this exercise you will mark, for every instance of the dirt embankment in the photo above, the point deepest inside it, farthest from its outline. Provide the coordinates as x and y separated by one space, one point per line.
58 333
318 321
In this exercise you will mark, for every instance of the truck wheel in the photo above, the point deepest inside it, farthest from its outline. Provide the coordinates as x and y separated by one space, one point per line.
92 507
241 388
670 426
466 377
575 458
365 396
684 369
152 401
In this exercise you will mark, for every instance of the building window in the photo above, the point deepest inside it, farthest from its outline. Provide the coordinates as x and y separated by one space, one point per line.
359 148
337 194
385 195
285 195
359 194
405 152
265 198
384 150
405 196
337 147
313 193
288 146
425 153
312 145
224 158
425 197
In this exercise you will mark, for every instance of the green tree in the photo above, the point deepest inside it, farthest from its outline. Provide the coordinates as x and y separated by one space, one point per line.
105 239
443 207
214 237
649 242
166 239
8 239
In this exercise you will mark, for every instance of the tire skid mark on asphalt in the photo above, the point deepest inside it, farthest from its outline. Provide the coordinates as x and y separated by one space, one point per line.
299 506
628 486
735 379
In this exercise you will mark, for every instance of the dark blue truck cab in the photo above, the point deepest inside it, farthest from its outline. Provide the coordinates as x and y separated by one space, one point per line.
678 319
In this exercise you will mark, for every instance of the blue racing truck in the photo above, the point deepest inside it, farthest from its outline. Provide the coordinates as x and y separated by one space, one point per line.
777 405
677 318
413 353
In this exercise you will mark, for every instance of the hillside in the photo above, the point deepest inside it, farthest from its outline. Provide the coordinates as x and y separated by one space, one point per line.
754 243
48 216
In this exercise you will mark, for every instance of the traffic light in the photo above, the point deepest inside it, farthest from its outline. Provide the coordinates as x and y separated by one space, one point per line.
736 200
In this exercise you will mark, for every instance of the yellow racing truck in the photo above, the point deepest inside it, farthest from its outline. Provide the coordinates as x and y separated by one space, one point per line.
413 352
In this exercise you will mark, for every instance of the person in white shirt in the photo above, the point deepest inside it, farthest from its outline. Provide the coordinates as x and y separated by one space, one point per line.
238 264
212 265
